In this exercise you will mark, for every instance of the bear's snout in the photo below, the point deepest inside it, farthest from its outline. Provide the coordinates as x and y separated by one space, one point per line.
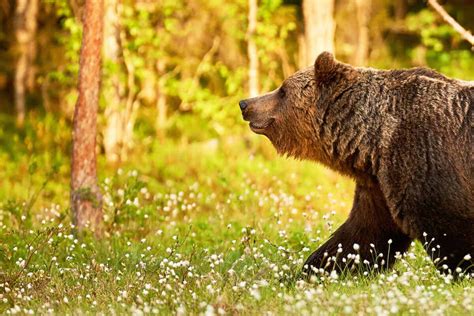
247 109
243 105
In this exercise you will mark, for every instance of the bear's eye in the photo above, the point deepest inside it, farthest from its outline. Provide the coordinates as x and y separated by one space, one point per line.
281 92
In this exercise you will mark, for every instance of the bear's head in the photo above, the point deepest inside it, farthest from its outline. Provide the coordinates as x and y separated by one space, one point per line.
289 116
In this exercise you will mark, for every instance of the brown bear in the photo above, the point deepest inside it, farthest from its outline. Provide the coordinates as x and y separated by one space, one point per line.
404 136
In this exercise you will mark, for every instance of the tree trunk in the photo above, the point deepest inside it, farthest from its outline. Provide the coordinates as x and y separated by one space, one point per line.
113 132
319 28
85 195
121 111
361 53
25 30
301 51
252 48
400 10
161 108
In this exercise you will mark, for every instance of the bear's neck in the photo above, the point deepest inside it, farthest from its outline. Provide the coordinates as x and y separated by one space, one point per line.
351 127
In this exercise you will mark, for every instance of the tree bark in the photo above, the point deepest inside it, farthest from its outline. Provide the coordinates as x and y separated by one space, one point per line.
400 10
85 195
122 104
319 28
113 132
361 53
302 51
161 108
252 48
25 25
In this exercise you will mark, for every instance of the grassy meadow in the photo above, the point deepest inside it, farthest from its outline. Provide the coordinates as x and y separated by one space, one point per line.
217 227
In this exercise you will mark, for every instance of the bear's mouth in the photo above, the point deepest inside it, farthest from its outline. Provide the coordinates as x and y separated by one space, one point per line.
260 127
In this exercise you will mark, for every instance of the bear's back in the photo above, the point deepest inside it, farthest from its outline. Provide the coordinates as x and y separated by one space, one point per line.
439 109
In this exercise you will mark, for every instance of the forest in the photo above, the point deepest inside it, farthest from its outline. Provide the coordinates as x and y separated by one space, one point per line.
157 198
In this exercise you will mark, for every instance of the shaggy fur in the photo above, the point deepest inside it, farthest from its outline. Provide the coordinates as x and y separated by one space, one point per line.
405 136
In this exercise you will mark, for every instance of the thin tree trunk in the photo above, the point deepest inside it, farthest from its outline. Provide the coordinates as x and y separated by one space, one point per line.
25 30
129 114
302 51
361 54
319 28
161 108
121 111
286 66
400 9
85 195
113 132
252 48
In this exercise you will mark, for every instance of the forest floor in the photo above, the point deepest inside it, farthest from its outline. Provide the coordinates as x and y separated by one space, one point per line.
208 228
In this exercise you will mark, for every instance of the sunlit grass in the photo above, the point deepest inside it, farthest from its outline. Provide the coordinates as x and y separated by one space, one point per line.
218 227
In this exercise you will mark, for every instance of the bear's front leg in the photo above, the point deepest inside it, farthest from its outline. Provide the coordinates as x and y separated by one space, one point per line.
367 241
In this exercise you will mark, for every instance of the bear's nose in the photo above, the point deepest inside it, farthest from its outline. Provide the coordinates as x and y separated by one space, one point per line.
243 105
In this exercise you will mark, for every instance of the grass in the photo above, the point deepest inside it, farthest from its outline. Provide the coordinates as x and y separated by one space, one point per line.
217 227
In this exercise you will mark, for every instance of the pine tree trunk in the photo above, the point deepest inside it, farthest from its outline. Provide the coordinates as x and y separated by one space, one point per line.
301 51
122 104
400 8
319 28
161 108
252 48
361 54
25 25
113 132
85 195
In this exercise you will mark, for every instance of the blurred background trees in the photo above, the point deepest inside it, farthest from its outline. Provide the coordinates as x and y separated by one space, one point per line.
175 69
24 23
319 27
252 51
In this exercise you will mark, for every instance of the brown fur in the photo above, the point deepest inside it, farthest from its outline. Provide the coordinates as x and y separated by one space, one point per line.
405 136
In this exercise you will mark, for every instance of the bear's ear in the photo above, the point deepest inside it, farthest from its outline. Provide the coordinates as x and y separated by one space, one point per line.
325 66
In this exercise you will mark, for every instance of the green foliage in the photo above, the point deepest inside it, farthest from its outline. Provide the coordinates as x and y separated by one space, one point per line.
32 158
200 75
69 38
198 62
277 26
441 46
